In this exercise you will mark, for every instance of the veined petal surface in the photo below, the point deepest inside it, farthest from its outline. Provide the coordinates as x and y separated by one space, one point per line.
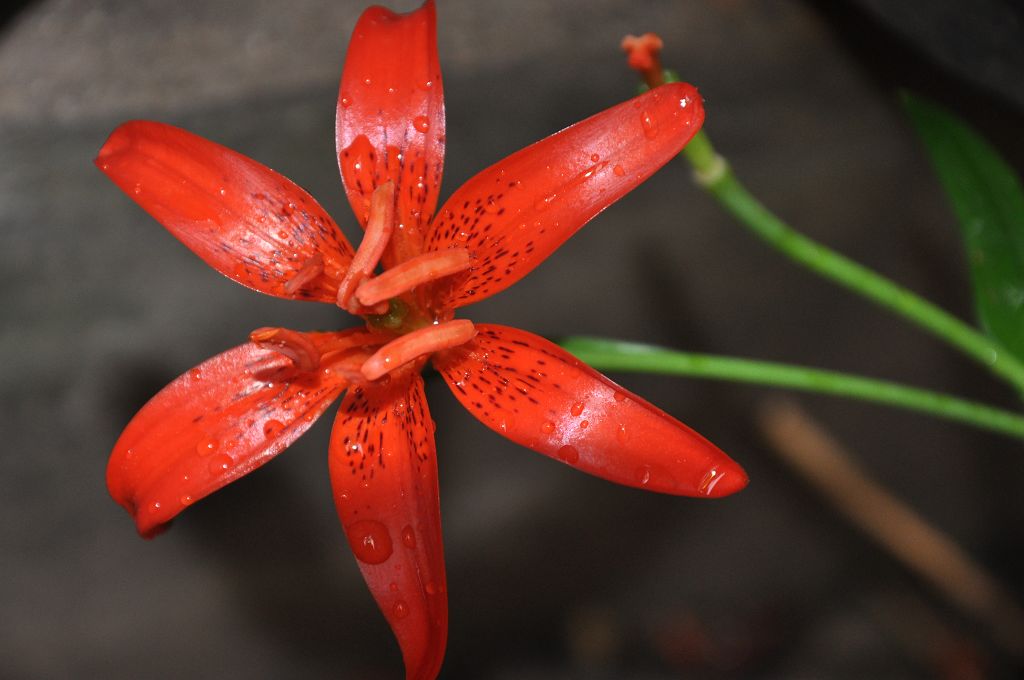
515 213
383 468
245 220
540 396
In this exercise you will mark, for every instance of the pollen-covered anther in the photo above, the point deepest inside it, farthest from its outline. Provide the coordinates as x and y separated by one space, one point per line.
379 226
312 268
420 342
412 273
294 345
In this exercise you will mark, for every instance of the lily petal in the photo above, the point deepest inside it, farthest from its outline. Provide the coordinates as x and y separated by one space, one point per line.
214 424
538 395
514 214
245 220
384 474
390 119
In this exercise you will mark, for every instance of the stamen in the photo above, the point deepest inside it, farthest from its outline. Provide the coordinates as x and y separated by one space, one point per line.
375 239
644 56
426 340
294 345
312 268
411 273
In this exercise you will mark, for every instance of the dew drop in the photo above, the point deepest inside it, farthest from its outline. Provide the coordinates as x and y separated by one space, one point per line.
576 408
544 202
220 463
619 396
643 475
195 374
708 482
207 446
367 81
421 123
399 408
400 610
595 157
137 189
649 126
584 424
187 500
547 427
431 588
393 587
426 84
569 454
283 234
620 433
223 191
346 101
154 507
408 537
272 427
619 170
370 541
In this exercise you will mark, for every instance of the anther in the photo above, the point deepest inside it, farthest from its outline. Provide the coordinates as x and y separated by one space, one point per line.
379 226
426 340
294 345
312 268
643 54
412 273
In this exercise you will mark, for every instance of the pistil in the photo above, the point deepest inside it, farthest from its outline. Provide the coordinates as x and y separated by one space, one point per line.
412 273
422 341
294 345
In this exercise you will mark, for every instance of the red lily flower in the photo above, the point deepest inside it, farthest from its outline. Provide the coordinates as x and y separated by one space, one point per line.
239 409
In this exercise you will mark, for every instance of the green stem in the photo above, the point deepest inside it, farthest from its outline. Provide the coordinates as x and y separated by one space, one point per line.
715 175
610 355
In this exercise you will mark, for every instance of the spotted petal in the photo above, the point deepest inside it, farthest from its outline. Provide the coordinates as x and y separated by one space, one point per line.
384 475
514 214
212 425
538 395
245 220
390 119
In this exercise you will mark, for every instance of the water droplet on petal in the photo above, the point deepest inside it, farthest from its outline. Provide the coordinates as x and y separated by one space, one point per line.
400 610
649 126
207 446
584 424
547 427
619 170
576 408
569 454
346 101
620 433
154 507
708 482
408 537
272 428
595 157
431 588
421 123
643 475
187 500
195 374
370 541
220 463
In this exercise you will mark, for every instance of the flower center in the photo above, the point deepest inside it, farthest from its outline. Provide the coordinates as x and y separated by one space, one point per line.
401 324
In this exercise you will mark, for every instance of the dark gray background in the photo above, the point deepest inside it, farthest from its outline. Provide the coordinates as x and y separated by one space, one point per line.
551 574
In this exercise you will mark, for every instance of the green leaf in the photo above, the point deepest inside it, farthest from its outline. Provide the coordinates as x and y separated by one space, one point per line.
989 203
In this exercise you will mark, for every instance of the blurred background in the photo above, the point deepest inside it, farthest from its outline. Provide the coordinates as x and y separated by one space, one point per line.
552 574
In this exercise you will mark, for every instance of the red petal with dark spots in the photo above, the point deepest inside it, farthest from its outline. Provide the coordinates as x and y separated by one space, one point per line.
245 220
514 214
384 475
540 396
390 119
214 424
